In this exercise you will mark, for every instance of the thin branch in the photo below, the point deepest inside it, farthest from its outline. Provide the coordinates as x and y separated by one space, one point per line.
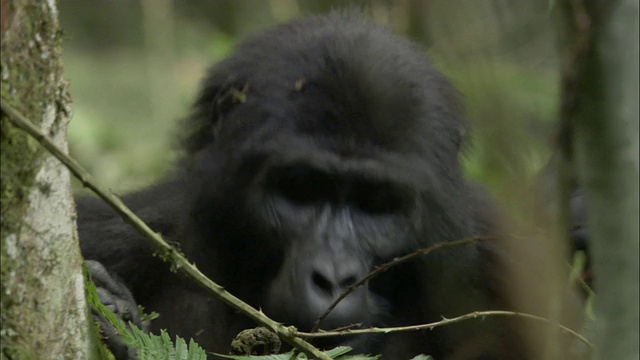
167 252
444 321
386 266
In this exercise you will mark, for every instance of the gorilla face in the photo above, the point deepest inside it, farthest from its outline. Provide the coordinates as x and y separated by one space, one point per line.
335 227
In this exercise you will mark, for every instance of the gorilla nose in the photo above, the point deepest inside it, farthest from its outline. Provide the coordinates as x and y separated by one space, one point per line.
325 282
330 285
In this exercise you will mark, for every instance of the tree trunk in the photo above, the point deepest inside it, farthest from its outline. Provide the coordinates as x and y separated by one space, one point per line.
601 83
44 312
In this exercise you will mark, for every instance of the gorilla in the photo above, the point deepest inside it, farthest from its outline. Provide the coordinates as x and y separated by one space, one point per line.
320 149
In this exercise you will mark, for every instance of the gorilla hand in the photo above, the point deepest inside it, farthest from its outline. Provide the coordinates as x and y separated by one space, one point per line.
117 298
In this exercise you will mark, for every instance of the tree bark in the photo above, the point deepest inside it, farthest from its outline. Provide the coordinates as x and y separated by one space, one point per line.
601 110
44 311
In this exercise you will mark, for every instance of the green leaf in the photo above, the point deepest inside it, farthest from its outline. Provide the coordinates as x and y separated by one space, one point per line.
422 357
340 350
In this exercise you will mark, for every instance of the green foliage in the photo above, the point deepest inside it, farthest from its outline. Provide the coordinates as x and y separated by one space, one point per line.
147 317
512 111
104 137
150 347
423 357
578 267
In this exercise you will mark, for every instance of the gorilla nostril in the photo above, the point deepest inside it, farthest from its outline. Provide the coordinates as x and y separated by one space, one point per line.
322 283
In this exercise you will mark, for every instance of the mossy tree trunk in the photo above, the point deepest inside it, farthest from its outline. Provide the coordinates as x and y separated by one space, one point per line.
601 113
44 312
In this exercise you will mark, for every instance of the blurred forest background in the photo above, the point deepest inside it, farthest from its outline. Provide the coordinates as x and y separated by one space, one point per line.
135 67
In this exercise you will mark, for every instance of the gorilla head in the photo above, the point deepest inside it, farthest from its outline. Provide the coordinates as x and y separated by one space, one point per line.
323 147
320 149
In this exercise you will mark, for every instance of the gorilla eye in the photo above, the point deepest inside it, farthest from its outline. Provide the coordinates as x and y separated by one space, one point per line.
302 185
375 198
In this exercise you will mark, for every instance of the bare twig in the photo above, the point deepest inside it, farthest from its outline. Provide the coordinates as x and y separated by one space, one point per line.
444 321
386 266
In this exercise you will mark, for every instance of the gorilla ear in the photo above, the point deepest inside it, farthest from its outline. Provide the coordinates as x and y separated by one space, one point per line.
210 108
228 98
459 137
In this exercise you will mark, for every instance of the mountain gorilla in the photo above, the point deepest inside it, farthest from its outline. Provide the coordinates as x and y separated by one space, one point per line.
319 150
